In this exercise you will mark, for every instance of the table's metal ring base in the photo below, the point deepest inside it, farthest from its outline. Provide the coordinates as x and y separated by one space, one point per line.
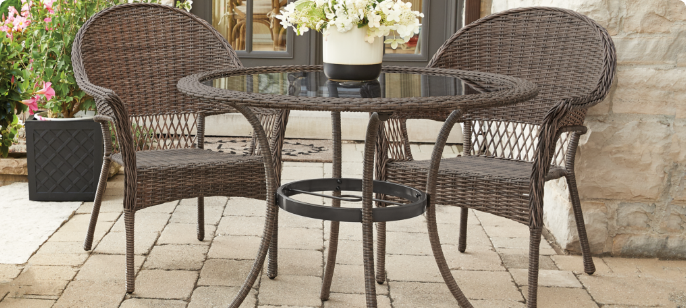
416 200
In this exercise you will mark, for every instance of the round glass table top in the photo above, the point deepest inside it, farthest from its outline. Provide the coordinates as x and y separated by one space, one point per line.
316 84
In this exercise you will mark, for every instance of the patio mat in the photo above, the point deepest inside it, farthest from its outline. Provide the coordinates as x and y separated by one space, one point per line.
297 150
25 225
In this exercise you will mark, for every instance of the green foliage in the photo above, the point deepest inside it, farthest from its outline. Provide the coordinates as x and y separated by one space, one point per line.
14 86
5 5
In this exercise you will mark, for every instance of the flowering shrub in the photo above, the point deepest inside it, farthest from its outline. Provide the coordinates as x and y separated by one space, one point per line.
382 17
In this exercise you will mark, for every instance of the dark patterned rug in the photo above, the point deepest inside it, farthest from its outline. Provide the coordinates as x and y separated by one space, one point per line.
300 150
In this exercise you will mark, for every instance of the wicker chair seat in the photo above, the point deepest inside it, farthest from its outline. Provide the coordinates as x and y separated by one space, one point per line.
476 182
168 175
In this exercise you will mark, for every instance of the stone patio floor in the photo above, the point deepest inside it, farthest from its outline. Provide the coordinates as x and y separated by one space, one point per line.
176 270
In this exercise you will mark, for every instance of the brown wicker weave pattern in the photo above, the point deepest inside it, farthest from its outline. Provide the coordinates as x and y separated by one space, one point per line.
512 150
129 58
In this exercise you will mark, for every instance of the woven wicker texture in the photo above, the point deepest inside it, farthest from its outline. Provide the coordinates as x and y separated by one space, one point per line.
129 58
510 151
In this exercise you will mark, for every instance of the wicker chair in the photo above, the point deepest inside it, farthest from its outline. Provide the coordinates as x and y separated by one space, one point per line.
129 58
509 152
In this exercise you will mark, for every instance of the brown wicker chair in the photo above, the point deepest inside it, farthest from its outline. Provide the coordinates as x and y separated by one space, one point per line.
509 152
129 58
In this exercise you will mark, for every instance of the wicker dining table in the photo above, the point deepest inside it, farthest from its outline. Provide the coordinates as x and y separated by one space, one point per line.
432 93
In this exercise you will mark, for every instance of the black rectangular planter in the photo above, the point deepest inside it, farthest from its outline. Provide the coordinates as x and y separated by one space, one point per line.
64 159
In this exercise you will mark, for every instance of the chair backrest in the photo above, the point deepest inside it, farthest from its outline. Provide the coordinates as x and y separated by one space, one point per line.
140 51
565 53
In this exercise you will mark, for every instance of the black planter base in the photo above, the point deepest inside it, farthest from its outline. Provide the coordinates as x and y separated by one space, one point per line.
345 72
64 159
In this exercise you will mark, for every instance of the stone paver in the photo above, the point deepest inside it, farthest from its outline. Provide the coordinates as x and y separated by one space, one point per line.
174 269
152 303
165 284
177 257
205 297
547 278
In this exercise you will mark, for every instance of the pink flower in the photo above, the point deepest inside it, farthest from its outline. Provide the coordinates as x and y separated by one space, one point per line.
47 19
32 103
4 28
47 90
48 5
20 23
12 80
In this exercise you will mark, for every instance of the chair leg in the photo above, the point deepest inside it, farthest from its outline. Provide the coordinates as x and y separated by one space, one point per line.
589 267
272 268
534 244
335 225
102 186
381 252
462 244
201 218
129 219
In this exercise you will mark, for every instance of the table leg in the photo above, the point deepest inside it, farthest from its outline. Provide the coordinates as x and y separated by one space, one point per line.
271 206
333 236
367 203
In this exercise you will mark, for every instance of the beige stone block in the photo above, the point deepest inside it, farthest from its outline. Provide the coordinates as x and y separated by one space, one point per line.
86 294
223 272
648 268
115 243
234 247
547 278
402 243
627 146
14 166
49 289
631 291
290 290
487 285
646 50
603 107
350 279
300 238
415 225
237 206
640 245
77 233
302 172
152 303
648 91
189 215
79 222
675 248
177 257
652 17
32 273
341 300
166 208
185 234
518 230
497 304
246 226
105 207
216 297
493 220
348 252
413 294
9 271
218 201
562 297
165 284
635 216
299 262
512 261
106 268
70 259
26 303
474 258
54 247
524 251
144 222
516 242
575 264
412 268
476 236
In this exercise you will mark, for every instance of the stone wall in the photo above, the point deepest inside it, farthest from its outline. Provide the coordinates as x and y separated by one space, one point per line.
631 164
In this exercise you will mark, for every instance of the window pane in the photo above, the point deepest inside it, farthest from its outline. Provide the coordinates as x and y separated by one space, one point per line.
413 46
268 34
228 17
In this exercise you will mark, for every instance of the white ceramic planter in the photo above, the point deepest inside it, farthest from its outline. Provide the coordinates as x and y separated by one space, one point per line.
347 56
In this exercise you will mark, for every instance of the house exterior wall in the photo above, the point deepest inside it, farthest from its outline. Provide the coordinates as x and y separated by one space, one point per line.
631 164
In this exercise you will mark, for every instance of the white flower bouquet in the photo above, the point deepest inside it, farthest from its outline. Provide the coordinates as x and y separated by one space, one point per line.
381 17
